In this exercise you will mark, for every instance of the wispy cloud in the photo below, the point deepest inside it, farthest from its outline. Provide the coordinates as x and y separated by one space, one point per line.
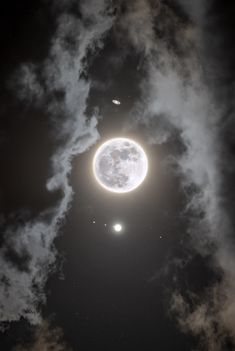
137 23
45 338
177 98
58 85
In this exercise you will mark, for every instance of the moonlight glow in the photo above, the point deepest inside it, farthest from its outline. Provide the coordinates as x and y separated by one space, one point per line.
120 165
117 227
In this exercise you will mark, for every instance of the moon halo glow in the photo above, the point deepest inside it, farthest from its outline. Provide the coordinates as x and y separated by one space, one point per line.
120 165
117 227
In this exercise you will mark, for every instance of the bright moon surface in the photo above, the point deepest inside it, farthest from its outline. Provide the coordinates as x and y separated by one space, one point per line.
120 165
117 227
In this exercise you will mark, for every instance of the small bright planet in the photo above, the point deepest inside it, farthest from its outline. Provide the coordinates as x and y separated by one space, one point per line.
117 227
116 102
120 165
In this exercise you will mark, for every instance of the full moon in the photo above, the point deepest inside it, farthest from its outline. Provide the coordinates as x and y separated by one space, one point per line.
120 165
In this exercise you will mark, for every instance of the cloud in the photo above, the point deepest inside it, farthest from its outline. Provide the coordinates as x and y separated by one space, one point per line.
45 338
201 322
137 23
209 317
178 99
27 255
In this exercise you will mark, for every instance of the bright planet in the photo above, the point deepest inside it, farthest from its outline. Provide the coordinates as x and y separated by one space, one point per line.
117 227
120 165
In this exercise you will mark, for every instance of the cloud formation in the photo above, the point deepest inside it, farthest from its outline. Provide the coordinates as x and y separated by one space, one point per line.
45 338
177 98
27 254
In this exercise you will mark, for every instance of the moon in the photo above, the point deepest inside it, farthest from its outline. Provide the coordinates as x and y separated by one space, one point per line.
120 165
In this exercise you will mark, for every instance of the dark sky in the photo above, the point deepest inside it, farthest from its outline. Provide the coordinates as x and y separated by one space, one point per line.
68 282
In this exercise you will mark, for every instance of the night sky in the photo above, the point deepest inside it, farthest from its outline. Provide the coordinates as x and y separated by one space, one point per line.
69 282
